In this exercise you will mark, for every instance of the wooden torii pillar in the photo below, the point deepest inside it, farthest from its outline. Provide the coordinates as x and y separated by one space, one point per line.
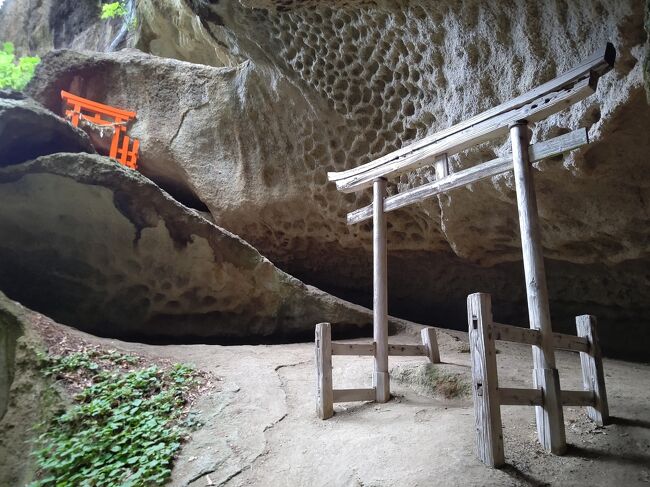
550 417
510 118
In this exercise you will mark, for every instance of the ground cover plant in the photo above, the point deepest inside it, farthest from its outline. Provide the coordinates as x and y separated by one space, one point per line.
127 421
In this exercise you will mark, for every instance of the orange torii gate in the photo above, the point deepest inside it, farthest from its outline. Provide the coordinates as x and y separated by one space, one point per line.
123 148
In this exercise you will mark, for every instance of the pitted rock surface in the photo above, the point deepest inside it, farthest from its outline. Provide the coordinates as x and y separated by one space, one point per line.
305 88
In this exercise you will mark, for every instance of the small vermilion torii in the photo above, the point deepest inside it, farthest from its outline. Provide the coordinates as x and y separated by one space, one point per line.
512 119
123 148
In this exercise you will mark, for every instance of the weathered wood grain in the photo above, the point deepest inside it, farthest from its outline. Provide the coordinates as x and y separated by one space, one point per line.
519 397
381 379
577 398
570 342
550 417
364 349
407 350
509 333
541 150
487 413
324 394
351 395
593 375
430 342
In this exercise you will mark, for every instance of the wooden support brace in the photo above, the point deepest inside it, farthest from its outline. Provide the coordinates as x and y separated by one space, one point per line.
577 398
406 350
430 342
538 152
516 334
570 342
351 395
519 397
593 376
324 393
487 412
364 349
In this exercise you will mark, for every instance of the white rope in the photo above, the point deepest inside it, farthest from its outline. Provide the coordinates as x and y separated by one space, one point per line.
101 127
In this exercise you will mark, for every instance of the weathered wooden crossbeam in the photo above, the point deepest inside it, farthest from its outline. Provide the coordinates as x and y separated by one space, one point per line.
352 395
369 349
535 105
539 151
508 396
528 336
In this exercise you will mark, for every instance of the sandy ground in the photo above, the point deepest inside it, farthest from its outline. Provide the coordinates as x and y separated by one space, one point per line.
261 428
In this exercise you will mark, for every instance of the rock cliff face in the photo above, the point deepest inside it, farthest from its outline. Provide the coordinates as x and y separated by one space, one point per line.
38 26
28 131
101 247
289 90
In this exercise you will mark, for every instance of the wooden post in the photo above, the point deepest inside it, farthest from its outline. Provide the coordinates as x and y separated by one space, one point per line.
430 341
593 376
442 166
325 394
550 417
487 410
381 380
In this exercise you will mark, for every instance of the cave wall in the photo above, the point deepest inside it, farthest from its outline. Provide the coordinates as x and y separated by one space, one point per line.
37 26
305 88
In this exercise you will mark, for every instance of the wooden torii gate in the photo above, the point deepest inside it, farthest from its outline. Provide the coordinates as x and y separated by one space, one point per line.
513 118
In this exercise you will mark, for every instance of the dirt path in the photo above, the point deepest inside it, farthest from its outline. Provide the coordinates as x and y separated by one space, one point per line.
261 428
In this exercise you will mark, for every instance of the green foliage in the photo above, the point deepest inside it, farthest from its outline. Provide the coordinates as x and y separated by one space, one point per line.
118 10
113 10
14 74
124 427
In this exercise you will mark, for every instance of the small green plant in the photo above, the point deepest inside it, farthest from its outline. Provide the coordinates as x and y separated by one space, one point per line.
124 428
113 10
14 74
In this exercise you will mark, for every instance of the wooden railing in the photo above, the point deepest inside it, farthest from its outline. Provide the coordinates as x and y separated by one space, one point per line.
489 396
325 349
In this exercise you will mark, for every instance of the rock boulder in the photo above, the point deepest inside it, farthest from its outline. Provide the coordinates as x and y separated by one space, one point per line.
101 247
27 131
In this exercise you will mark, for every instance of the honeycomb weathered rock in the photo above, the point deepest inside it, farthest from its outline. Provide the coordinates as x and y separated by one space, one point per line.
311 88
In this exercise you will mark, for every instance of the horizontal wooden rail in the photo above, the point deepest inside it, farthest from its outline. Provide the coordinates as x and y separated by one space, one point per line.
577 398
366 349
510 333
533 397
570 342
519 397
537 152
599 63
351 395
561 341
407 350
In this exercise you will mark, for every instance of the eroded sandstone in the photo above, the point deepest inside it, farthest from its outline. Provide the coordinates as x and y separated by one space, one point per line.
304 88
98 246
